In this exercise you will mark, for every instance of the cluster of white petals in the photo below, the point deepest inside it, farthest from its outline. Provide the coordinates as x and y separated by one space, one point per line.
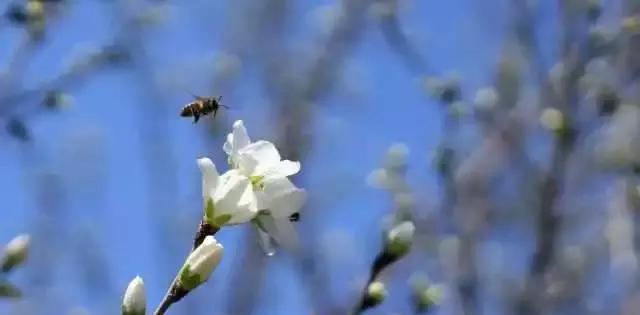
228 198
257 188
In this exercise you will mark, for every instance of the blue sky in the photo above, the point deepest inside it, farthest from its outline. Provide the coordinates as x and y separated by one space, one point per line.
96 149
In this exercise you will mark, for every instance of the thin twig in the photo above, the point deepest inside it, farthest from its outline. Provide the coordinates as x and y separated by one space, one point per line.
382 261
175 292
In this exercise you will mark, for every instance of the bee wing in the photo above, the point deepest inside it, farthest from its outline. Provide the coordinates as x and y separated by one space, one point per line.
198 97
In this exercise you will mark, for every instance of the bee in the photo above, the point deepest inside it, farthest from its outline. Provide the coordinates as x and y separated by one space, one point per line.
202 106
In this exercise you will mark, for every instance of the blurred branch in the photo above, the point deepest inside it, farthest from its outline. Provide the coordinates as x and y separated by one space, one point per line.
296 95
397 39
575 57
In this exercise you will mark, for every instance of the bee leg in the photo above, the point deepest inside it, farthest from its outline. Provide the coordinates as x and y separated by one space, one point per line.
215 112
196 118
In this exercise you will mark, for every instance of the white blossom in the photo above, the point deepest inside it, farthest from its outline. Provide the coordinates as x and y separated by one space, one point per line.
135 298
277 198
200 264
228 199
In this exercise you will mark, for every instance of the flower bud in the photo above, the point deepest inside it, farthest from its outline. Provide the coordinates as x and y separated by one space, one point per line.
399 239
427 298
15 254
135 298
376 292
200 264
486 99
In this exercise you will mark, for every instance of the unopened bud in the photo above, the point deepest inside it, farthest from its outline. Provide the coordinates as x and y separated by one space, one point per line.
135 298
399 239
552 119
376 292
200 264
15 254
427 298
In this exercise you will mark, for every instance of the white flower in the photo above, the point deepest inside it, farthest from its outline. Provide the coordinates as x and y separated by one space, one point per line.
258 160
400 237
229 198
200 264
277 198
15 253
135 298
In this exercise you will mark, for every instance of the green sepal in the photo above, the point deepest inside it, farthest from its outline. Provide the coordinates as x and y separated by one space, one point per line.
221 220
211 218
397 248
209 211
189 280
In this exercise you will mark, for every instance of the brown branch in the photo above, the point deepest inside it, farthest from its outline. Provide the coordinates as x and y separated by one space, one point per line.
175 293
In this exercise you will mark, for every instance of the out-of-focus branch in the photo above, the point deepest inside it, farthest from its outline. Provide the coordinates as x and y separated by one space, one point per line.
398 241
295 97
414 61
549 221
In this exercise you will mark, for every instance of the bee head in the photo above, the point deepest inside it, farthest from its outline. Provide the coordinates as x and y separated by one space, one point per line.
187 111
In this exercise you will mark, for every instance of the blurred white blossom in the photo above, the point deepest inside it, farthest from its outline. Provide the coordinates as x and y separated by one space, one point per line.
618 143
486 99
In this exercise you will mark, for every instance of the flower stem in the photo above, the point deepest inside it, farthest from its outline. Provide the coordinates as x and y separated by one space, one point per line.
204 229
383 260
176 292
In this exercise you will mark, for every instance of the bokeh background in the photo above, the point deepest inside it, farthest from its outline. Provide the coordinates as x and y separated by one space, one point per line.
508 131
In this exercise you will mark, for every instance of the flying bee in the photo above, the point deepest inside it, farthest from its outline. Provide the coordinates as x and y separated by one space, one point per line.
202 106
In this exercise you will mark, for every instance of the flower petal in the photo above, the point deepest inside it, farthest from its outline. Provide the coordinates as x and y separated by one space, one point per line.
247 164
282 231
240 136
227 147
264 152
235 197
286 204
264 240
210 177
283 169
281 197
